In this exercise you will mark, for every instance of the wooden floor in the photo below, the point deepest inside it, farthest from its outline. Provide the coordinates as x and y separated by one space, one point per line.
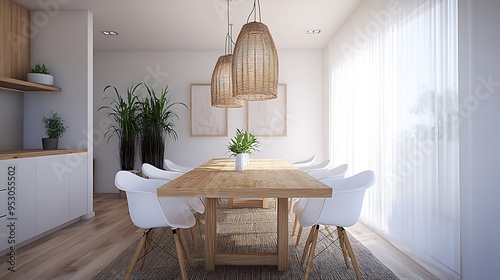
82 249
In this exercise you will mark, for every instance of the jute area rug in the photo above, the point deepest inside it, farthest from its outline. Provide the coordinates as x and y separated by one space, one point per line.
247 230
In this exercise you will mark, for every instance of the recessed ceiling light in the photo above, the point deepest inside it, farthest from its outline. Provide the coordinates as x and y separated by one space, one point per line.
314 31
109 32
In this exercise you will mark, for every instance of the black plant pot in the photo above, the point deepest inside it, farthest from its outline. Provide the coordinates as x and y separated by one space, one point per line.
152 149
49 143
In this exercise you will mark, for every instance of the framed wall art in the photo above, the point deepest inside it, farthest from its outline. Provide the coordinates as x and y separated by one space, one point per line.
268 118
205 119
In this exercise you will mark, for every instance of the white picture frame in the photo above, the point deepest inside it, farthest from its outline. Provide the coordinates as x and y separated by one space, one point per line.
206 120
268 117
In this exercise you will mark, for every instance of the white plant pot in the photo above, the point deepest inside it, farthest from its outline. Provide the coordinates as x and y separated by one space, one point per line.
41 78
246 159
239 164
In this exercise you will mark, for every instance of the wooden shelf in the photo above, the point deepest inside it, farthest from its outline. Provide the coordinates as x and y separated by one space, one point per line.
20 85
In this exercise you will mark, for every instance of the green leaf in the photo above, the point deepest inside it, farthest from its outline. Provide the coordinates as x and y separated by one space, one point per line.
54 125
41 69
243 142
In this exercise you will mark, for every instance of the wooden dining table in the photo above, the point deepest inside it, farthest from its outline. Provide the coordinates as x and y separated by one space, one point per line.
262 178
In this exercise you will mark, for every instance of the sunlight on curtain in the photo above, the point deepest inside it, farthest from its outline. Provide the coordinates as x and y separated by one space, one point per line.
394 110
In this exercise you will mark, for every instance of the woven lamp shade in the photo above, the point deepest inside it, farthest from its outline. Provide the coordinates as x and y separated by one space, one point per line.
222 86
255 64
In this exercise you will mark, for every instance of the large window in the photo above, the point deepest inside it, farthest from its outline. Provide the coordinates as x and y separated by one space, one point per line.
394 110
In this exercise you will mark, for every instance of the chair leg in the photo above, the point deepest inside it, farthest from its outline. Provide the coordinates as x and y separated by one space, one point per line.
185 247
298 236
195 241
306 246
351 254
311 253
178 248
290 202
342 246
295 224
147 244
329 231
136 255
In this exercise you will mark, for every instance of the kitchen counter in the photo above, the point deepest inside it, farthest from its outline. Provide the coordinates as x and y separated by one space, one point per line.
37 153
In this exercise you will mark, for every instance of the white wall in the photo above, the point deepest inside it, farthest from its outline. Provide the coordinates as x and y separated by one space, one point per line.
11 120
63 42
479 138
302 71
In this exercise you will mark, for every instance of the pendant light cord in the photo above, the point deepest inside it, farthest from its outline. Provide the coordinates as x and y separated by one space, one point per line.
229 36
254 12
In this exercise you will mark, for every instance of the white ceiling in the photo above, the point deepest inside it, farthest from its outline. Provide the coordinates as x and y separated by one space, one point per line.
202 24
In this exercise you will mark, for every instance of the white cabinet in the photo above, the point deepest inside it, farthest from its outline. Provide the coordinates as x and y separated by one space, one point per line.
61 189
24 169
3 206
52 192
21 173
78 185
3 220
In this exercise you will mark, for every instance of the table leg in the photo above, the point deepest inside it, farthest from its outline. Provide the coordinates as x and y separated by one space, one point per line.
210 233
282 234
265 203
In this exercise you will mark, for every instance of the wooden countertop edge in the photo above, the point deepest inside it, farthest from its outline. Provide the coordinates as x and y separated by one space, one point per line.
37 153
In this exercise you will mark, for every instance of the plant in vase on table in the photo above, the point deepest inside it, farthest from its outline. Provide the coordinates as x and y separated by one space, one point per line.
242 145
54 128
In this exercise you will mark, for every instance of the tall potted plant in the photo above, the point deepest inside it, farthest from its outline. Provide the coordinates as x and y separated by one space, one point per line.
156 121
54 128
124 111
242 145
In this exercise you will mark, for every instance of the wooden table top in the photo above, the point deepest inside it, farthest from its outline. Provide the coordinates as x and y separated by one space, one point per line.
262 178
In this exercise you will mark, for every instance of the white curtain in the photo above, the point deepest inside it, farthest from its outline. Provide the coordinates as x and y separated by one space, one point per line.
393 96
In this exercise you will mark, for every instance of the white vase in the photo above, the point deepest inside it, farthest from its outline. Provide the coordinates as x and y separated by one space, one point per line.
246 159
41 78
239 164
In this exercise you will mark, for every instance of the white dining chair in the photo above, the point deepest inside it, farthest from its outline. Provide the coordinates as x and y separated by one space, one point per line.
336 172
298 206
154 172
148 212
195 203
341 210
325 165
306 162
171 166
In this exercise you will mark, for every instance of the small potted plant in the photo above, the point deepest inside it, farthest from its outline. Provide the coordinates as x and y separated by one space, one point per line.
54 128
242 145
40 74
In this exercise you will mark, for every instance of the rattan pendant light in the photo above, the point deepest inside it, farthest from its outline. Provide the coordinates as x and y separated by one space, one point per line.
255 62
222 81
